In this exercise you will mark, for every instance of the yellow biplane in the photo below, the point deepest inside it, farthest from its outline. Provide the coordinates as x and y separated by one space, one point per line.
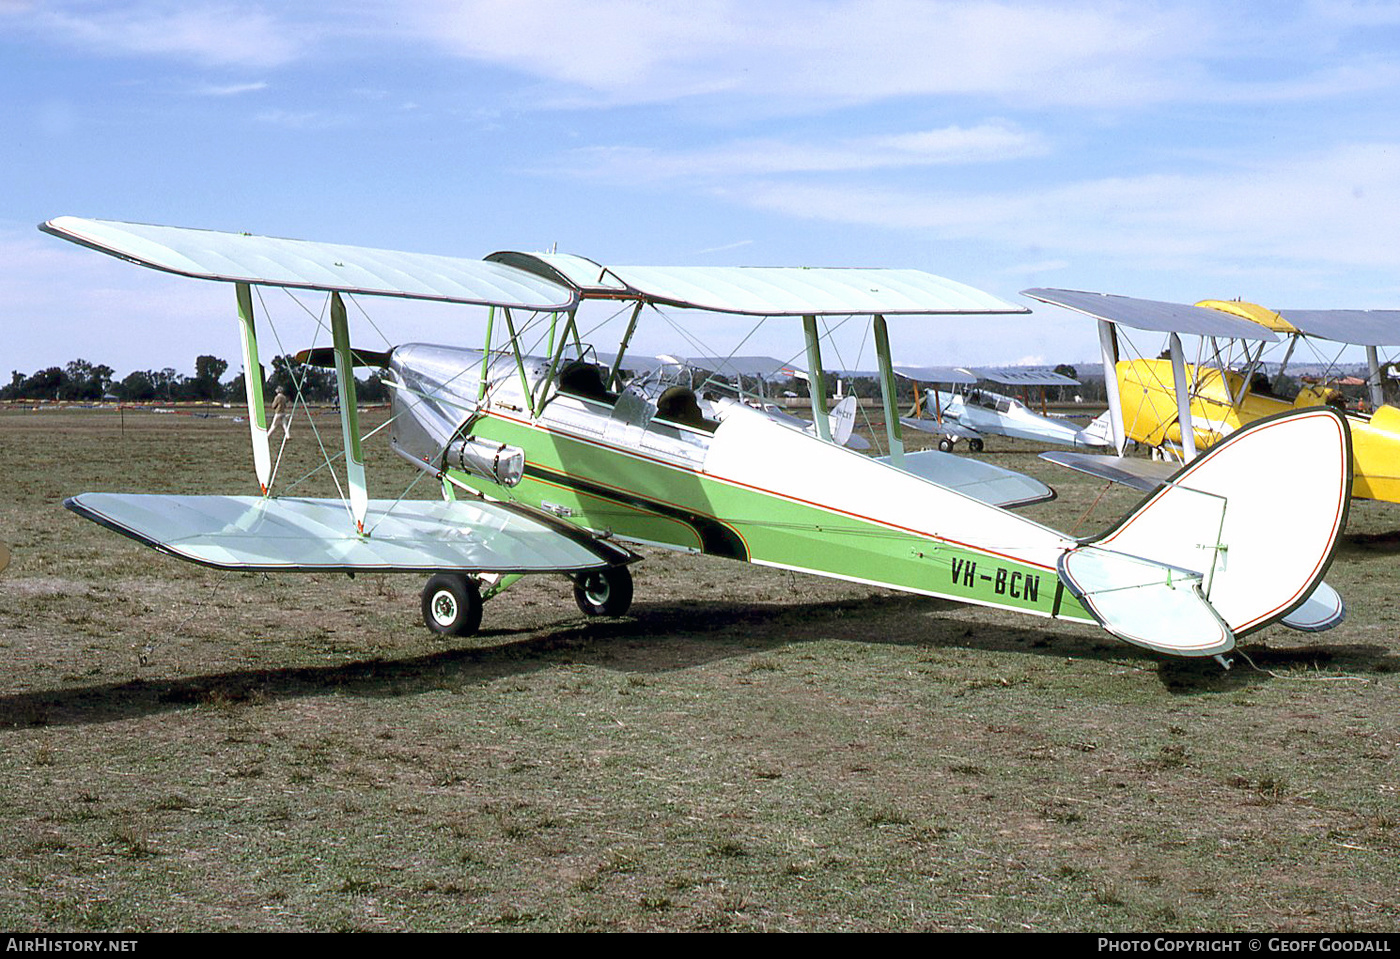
1180 407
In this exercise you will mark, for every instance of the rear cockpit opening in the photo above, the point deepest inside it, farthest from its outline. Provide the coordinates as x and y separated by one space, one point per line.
679 405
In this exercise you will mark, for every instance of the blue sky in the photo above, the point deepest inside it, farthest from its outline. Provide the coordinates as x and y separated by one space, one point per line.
1175 150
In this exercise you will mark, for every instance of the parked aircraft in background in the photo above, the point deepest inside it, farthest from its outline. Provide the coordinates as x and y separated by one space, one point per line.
972 412
708 377
1181 408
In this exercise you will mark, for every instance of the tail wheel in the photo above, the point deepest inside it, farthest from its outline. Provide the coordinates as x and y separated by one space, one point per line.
945 445
604 592
975 445
452 604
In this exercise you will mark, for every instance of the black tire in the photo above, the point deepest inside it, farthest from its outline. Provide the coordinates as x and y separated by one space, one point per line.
945 445
975 445
452 604
604 592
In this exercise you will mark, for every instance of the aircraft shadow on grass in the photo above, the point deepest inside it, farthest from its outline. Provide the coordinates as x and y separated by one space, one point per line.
1365 543
662 638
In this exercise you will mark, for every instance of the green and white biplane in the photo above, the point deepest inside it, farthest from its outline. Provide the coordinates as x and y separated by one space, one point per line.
549 464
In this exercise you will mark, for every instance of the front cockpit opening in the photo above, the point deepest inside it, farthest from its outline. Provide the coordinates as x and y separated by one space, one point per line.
585 380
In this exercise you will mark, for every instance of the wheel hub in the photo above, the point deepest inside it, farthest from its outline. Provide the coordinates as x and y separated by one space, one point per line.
596 588
444 608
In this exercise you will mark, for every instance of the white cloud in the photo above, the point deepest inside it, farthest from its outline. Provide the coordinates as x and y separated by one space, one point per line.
230 89
797 55
740 244
955 144
845 51
617 47
1336 206
209 33
784 55
303 119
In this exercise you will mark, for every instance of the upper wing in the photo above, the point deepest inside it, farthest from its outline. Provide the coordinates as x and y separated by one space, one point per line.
1023 376
1154 315
290 534
272 261
767 367
767 291
935 374
1358 327
540 282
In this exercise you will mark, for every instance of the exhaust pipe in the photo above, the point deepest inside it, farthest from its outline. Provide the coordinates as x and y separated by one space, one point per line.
494 461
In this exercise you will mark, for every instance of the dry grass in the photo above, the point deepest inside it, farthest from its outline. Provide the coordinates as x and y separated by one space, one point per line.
191 750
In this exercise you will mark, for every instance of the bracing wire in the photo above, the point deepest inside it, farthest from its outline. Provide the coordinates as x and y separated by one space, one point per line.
298 382
860 354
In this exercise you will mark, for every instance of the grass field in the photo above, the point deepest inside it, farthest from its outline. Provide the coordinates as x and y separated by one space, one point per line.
183 749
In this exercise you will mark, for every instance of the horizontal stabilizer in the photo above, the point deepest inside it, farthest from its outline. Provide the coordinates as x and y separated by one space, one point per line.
976 478
1138 473
291 534
1150 604
1323 610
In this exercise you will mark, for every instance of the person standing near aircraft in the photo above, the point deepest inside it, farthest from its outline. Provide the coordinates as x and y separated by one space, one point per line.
281 413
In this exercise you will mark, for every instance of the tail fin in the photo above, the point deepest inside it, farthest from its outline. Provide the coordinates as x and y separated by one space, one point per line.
1099 432
1236 540
843 420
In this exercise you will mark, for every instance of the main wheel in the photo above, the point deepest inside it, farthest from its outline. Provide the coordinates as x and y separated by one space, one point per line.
604 592
975 445
945 445
452 604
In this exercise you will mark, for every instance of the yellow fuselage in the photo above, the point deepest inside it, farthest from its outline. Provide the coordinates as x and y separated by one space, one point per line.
1148 399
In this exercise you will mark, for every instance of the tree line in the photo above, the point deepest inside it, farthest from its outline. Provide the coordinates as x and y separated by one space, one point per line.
82 381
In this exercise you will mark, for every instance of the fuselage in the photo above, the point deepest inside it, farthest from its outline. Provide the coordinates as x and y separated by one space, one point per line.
997 415
1219 406
741 486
